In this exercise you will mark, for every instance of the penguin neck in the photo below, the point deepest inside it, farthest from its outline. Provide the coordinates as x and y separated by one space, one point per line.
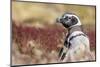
74 28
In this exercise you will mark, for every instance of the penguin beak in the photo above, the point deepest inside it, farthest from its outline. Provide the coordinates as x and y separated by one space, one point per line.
59 20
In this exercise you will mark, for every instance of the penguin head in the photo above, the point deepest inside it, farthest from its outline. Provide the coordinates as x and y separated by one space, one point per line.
69 20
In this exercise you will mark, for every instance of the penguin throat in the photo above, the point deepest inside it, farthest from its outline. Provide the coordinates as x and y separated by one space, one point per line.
74 28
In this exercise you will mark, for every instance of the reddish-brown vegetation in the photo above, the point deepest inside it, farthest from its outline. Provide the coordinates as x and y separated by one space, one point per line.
48 37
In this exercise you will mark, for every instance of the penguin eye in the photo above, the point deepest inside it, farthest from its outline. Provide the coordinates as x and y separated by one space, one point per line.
69 17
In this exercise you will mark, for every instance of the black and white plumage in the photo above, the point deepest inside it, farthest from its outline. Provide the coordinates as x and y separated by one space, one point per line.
76 45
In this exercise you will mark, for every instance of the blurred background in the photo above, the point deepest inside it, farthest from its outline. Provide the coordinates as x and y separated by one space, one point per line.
37 38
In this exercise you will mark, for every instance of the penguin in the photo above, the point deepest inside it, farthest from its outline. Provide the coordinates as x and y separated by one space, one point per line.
76 44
